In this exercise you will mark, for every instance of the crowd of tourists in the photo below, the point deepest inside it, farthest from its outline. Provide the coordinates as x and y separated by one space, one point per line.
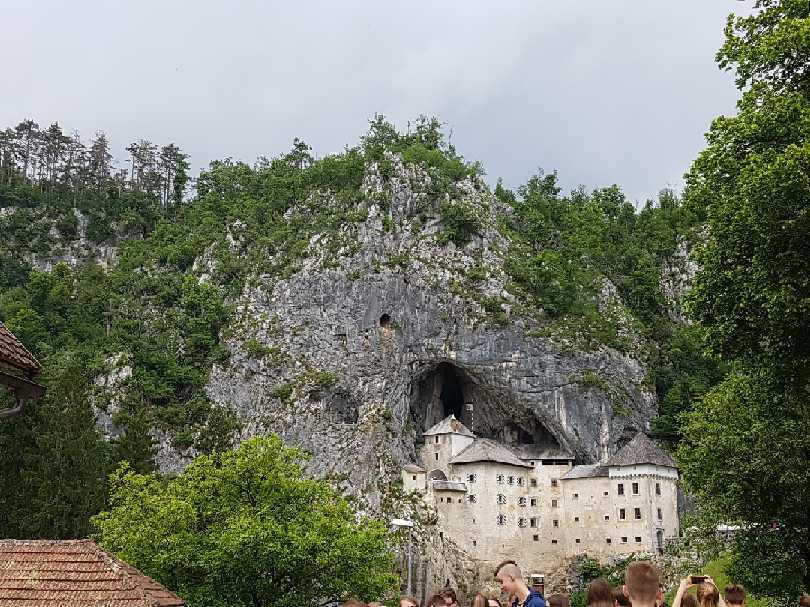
642 588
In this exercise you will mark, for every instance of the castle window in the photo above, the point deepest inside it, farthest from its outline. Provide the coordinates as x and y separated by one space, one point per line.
474 543
607 540
638 539
501 499
520 481
553 541
577 540
472 498
635 488
576 519
460 500
385 320
499 478
533 501
531 463
622 514
624 540
556 523
501 519
471 478
521 522
621 488
607 517
437 456
606 493
510 480
576 495
658 488
534 482
660 514
536 538
553 503
521 501
637 513
533 522
437 440
554 482
414 477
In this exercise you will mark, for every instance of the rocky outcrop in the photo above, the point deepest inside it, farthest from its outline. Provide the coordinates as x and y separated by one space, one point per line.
385 328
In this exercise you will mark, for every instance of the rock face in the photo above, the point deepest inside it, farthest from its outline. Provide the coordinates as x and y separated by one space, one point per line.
385 329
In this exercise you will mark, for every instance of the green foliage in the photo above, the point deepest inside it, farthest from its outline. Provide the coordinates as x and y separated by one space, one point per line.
53 461
745 445
461 220
246 528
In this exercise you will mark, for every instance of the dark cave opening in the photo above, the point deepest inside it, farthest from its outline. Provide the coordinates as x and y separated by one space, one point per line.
452 393
489 412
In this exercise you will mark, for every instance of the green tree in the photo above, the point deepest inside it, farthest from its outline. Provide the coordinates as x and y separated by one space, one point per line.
745 446
245 527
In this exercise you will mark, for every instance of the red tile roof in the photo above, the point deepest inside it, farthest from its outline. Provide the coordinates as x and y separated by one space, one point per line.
73 573
13 353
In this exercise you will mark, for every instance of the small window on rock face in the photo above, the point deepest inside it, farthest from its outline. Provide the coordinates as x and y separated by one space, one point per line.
638 539
385 320
556 523
576 495
606 493
624 540
553 541
577 540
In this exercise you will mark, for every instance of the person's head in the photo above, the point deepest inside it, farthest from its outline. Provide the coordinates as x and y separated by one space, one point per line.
708 595
375 604
734 595
407 601
437 600
510 577
599 594
620 598
804 600
479 600
641 583
449 596
493 602
689 600
558 600
353 603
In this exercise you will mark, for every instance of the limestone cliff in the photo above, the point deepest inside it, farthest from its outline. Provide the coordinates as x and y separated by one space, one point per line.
385 328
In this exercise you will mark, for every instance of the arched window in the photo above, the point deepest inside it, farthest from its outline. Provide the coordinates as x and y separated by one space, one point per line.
501 498
501 519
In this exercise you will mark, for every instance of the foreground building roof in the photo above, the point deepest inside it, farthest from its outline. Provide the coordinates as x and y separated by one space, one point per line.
449 425
641 450
14 354
74 573
488 450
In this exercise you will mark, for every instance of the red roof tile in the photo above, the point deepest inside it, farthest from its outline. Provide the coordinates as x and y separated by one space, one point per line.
13 353
74 573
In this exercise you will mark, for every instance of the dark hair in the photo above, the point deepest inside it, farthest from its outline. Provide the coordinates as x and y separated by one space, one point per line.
558 600
599 594
689 600
641 579
437 600
734 594
353 603
620 598
448 593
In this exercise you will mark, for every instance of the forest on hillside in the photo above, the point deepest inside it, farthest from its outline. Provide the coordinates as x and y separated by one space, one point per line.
731 376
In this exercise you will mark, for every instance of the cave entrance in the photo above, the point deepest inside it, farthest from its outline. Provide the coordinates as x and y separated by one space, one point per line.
445 389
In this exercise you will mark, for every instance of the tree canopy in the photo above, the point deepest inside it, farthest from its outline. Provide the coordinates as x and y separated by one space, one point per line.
745 445
245 528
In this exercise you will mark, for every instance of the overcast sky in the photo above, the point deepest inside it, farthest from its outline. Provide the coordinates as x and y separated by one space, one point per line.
604 91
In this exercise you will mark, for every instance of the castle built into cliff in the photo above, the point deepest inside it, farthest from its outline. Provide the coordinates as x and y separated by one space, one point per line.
535 506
